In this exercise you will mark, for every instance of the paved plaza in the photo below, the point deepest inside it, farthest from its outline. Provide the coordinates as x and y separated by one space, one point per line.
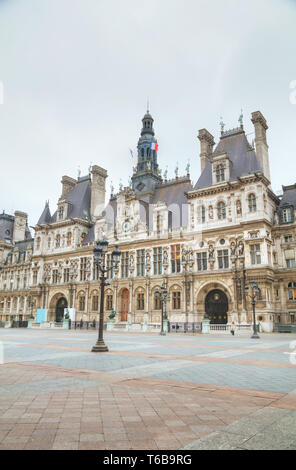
149 392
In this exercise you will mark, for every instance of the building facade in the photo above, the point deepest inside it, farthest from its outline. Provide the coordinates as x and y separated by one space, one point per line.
204 241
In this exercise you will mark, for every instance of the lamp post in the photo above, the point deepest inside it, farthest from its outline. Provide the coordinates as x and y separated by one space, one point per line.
163 297
253 296
100 252
187 263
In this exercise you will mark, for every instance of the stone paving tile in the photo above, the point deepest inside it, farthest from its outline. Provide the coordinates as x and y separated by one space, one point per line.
148 393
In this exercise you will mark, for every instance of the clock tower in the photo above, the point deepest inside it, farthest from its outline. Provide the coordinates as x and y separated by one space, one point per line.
146 174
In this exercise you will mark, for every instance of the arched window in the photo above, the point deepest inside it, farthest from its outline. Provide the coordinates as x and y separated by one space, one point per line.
252 203
292 290
220 173
142 152
48 242
140 301
82 303
157 303
221 211
148 151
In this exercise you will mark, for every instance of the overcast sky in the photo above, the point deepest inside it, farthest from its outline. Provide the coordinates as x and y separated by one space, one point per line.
77 74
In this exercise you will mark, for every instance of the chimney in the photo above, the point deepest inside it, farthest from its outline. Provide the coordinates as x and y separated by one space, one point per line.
206 147
68 184
261 127
19 226
98 191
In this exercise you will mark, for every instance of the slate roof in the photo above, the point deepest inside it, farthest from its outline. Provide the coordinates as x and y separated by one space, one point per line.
243 159
6 228
289 196
79 203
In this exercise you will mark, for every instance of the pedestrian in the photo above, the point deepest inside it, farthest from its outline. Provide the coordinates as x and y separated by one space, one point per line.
232 328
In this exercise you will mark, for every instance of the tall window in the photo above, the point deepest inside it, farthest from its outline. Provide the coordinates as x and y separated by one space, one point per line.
201 214
48 242
291 263
66 275
110 273
157 302
221 211
220 173
176 258
252 203
202 261
95 303
223 259
286 215
176 300
140 301
157 261
38 241
255 254
83 269
82 303
140 262
109 302
61 212
292 290
124 264
69 238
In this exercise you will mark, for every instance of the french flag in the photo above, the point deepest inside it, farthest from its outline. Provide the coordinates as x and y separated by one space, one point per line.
153 146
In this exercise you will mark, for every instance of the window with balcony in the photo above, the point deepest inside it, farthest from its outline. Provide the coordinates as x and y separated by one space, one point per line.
140 262
176 258
125 264
157 261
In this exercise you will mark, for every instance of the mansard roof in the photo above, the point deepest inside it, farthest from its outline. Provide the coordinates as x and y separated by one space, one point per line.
289 196
6 228
242 156
79 201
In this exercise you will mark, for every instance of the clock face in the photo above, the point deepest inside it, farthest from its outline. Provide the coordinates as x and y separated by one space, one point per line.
126 226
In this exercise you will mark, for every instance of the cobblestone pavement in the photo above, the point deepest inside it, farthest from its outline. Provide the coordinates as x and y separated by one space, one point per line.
148 392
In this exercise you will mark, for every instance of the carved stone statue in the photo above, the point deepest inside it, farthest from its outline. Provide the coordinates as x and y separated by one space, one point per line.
241 248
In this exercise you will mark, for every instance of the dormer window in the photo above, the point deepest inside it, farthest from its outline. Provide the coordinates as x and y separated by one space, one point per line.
221 211
61 212
287 215
220 173
252 203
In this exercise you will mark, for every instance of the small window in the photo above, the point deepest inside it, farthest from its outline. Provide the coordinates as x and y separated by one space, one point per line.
252 203
220 173
288 238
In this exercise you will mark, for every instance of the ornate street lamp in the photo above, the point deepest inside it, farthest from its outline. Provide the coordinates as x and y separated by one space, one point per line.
100 252
163 297
253 296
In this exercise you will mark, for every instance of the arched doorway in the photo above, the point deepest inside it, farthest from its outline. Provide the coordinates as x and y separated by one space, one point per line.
60 306
124 304
216 307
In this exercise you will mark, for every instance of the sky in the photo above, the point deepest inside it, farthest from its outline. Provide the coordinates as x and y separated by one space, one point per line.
76 76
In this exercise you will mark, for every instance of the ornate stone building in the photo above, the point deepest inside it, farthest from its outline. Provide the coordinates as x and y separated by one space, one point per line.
205 241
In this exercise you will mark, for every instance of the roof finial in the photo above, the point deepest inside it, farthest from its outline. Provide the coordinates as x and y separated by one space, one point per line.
148 105
222 125
241 119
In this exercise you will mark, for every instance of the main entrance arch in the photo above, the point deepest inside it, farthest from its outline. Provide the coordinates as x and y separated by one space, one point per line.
60 306
216 307
124 304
